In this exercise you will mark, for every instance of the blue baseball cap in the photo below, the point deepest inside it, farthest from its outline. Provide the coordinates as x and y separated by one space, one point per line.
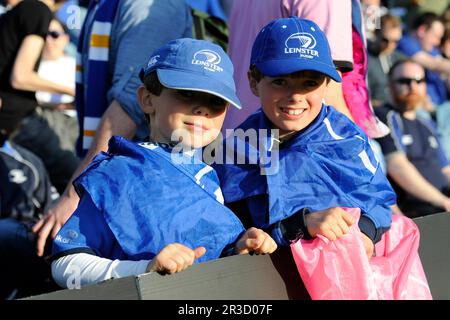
289 45
191 64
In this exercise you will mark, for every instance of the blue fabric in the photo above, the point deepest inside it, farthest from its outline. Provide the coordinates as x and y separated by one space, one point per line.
150 199
418 140
25 188
409 46
443 160
211 7
289 45
357 17
420 151
20 268
319 168
72 15
8 149
443 119
87 231
436 88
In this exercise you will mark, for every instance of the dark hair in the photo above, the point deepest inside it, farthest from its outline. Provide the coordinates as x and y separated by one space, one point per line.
398 64
446 36
255 73
152 83
426 19
391 20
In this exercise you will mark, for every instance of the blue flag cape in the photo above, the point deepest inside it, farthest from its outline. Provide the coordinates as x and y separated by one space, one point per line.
328 164
149 200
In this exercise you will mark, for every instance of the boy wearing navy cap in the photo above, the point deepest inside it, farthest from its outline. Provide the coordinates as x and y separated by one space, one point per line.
145 207
324 161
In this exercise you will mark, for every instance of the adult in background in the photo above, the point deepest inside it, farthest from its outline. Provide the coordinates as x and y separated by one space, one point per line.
416 163
421 45
58 109
382 55
23 31
25 193
415 8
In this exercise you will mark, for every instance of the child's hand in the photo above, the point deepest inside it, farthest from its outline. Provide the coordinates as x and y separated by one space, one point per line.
331 223
368 245
174 257
255 240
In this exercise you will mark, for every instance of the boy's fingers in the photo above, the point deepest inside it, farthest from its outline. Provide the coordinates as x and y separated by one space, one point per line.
336 229
252 233
268 246
329 234
180 262
343 225
170 266
200 251
348 218
253 243
247 245
188 254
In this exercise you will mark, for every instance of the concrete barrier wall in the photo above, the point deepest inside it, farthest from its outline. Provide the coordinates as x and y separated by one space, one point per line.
258 277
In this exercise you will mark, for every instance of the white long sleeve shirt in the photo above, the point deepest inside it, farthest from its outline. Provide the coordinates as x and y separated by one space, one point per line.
80 269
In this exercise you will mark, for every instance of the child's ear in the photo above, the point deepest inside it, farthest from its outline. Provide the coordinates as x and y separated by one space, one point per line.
145 100
253 84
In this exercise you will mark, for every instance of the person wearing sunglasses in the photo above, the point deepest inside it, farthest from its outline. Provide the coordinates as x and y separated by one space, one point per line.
57 108
382 55
416 164
23 34
23 30
56 66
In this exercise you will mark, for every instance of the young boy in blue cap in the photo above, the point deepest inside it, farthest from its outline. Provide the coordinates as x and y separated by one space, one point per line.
324 161
145 207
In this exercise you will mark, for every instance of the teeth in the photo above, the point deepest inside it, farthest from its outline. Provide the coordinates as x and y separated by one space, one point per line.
292 112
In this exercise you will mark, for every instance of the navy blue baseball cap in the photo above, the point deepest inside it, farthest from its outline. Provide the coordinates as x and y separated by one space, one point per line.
191 64
289 45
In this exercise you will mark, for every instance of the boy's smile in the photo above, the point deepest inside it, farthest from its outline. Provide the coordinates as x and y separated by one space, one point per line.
195 116
291 102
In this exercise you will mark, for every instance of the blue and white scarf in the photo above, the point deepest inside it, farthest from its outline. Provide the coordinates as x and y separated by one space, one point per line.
91 97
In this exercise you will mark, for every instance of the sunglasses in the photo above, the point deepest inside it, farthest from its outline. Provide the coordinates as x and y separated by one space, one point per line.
54 34
408 81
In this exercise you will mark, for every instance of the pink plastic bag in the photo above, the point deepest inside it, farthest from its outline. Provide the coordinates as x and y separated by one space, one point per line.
336 270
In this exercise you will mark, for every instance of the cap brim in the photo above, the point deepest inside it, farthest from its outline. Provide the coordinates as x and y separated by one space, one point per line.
274 68
181 80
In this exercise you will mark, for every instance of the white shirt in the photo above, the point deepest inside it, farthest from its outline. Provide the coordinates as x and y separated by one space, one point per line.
80 269
60 71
